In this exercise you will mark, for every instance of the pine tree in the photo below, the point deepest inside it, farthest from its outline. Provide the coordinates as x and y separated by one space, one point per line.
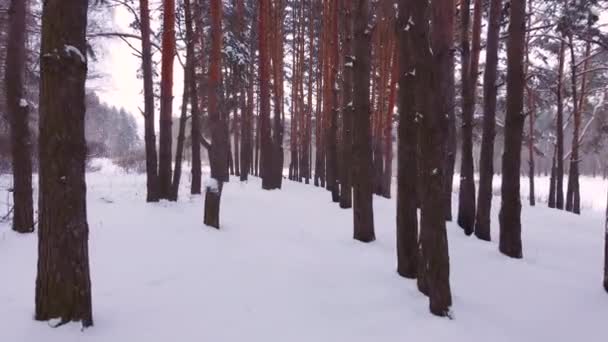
510 211
18 113
166 99
466 202
63 285
347 108
218 152
486 162
362 153
407 209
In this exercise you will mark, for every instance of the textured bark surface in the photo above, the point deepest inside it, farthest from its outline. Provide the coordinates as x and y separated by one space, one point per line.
510 212
196 167
332 138
63 285
486 159
18 115
407 215
218 153
429 83
362 151
266 153
166 99
347 111
152 184
559 159
466 195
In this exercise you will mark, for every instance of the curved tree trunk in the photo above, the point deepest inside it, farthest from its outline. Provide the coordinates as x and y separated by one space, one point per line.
63 284
510 211
362 152
18 113
486 159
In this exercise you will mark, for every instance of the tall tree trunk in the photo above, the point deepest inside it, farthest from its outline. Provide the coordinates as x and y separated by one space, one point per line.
276 161
466 203
218 152
362 153
452 143
332 137
18 113
63 284
559 158
387 177
347 111
152 181
486 159
195 135
531 166
606 252
266 153
432 139
553 181
510 211
532 113
181 135
407 211
573 197
166 99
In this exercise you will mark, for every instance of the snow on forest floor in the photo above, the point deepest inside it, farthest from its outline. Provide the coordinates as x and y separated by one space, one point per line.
284 267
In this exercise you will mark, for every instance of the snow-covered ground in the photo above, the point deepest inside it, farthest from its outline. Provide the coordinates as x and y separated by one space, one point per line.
284 267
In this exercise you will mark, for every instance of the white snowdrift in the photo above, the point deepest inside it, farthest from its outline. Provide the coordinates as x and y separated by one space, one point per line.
284 267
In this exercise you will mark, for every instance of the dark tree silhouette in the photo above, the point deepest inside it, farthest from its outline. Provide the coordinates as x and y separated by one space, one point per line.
486 159
218 152
18 114
152 182
362 152
510 211
63 285
407 208
430 62
166 99
347 110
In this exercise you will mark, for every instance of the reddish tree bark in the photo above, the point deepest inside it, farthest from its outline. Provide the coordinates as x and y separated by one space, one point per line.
166 99
218 152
